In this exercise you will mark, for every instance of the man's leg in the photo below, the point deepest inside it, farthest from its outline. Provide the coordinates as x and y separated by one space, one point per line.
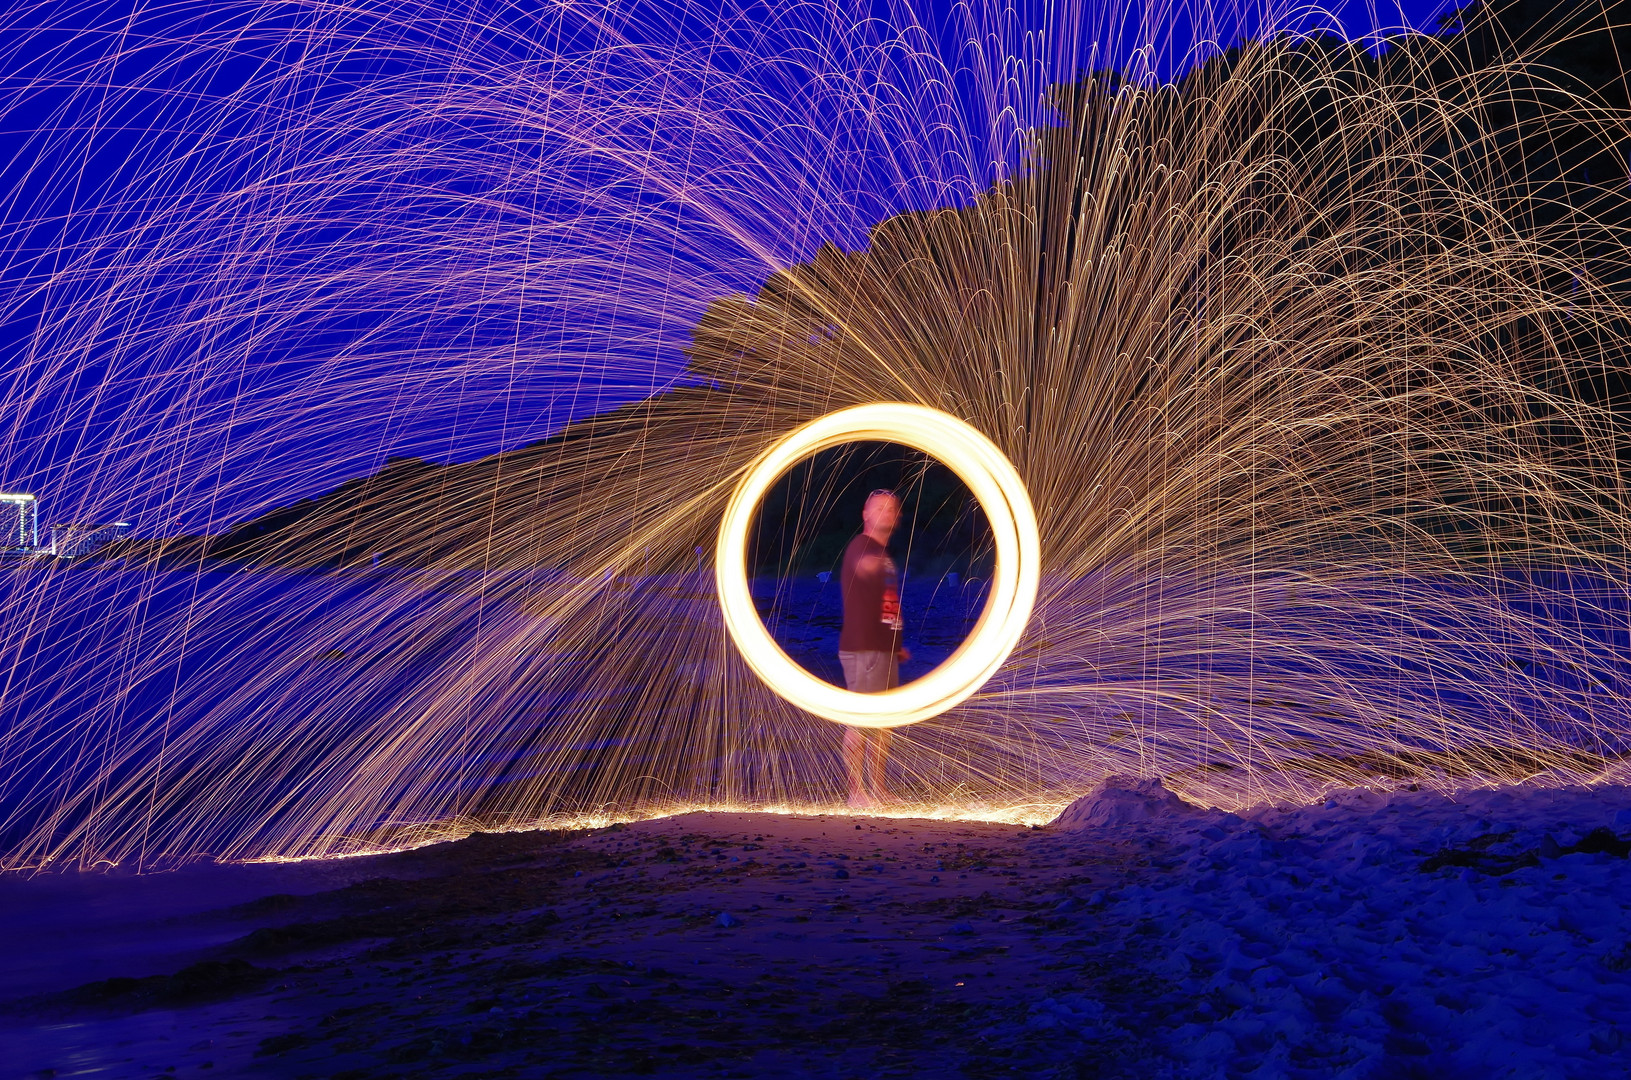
855 748
877 761
856 677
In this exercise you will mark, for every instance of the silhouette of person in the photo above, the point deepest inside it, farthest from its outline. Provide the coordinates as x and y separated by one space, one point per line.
869 646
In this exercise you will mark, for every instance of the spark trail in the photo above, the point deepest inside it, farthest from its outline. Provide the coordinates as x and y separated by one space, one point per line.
1312 361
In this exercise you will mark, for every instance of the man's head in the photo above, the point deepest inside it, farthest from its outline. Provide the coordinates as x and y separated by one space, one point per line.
880 514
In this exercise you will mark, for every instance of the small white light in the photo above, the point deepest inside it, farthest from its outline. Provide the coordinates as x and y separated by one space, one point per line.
995 483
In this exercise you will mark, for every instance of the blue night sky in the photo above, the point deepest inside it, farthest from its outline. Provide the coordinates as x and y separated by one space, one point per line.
181 356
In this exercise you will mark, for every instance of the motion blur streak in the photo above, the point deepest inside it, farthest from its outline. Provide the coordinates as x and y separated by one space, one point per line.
1013 591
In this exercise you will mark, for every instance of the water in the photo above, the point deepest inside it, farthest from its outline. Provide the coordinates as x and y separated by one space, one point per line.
175 707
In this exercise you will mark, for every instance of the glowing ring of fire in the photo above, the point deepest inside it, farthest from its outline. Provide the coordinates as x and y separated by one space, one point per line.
995 483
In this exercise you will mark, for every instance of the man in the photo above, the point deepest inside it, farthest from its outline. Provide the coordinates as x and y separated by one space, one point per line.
869 646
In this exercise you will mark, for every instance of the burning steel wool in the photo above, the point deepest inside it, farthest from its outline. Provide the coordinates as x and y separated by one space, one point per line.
1310 354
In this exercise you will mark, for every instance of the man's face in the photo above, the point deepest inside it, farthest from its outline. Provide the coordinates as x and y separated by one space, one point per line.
881 514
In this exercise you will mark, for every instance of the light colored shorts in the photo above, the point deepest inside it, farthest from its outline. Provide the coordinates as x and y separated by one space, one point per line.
870 672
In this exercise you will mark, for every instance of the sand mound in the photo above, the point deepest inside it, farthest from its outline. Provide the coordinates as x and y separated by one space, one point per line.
1119 800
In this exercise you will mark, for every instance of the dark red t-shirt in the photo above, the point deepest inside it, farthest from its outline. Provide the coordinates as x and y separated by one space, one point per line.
872 621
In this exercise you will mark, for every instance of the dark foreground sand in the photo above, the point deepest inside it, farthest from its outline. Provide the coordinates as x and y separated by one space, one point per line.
702 945
1375 935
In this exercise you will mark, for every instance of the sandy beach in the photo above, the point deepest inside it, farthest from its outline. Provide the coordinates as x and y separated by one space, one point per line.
1396 934
702 945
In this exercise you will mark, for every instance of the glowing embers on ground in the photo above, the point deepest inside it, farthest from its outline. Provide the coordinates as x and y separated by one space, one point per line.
1001 493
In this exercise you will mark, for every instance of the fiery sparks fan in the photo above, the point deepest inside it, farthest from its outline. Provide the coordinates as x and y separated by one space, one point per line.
427 348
